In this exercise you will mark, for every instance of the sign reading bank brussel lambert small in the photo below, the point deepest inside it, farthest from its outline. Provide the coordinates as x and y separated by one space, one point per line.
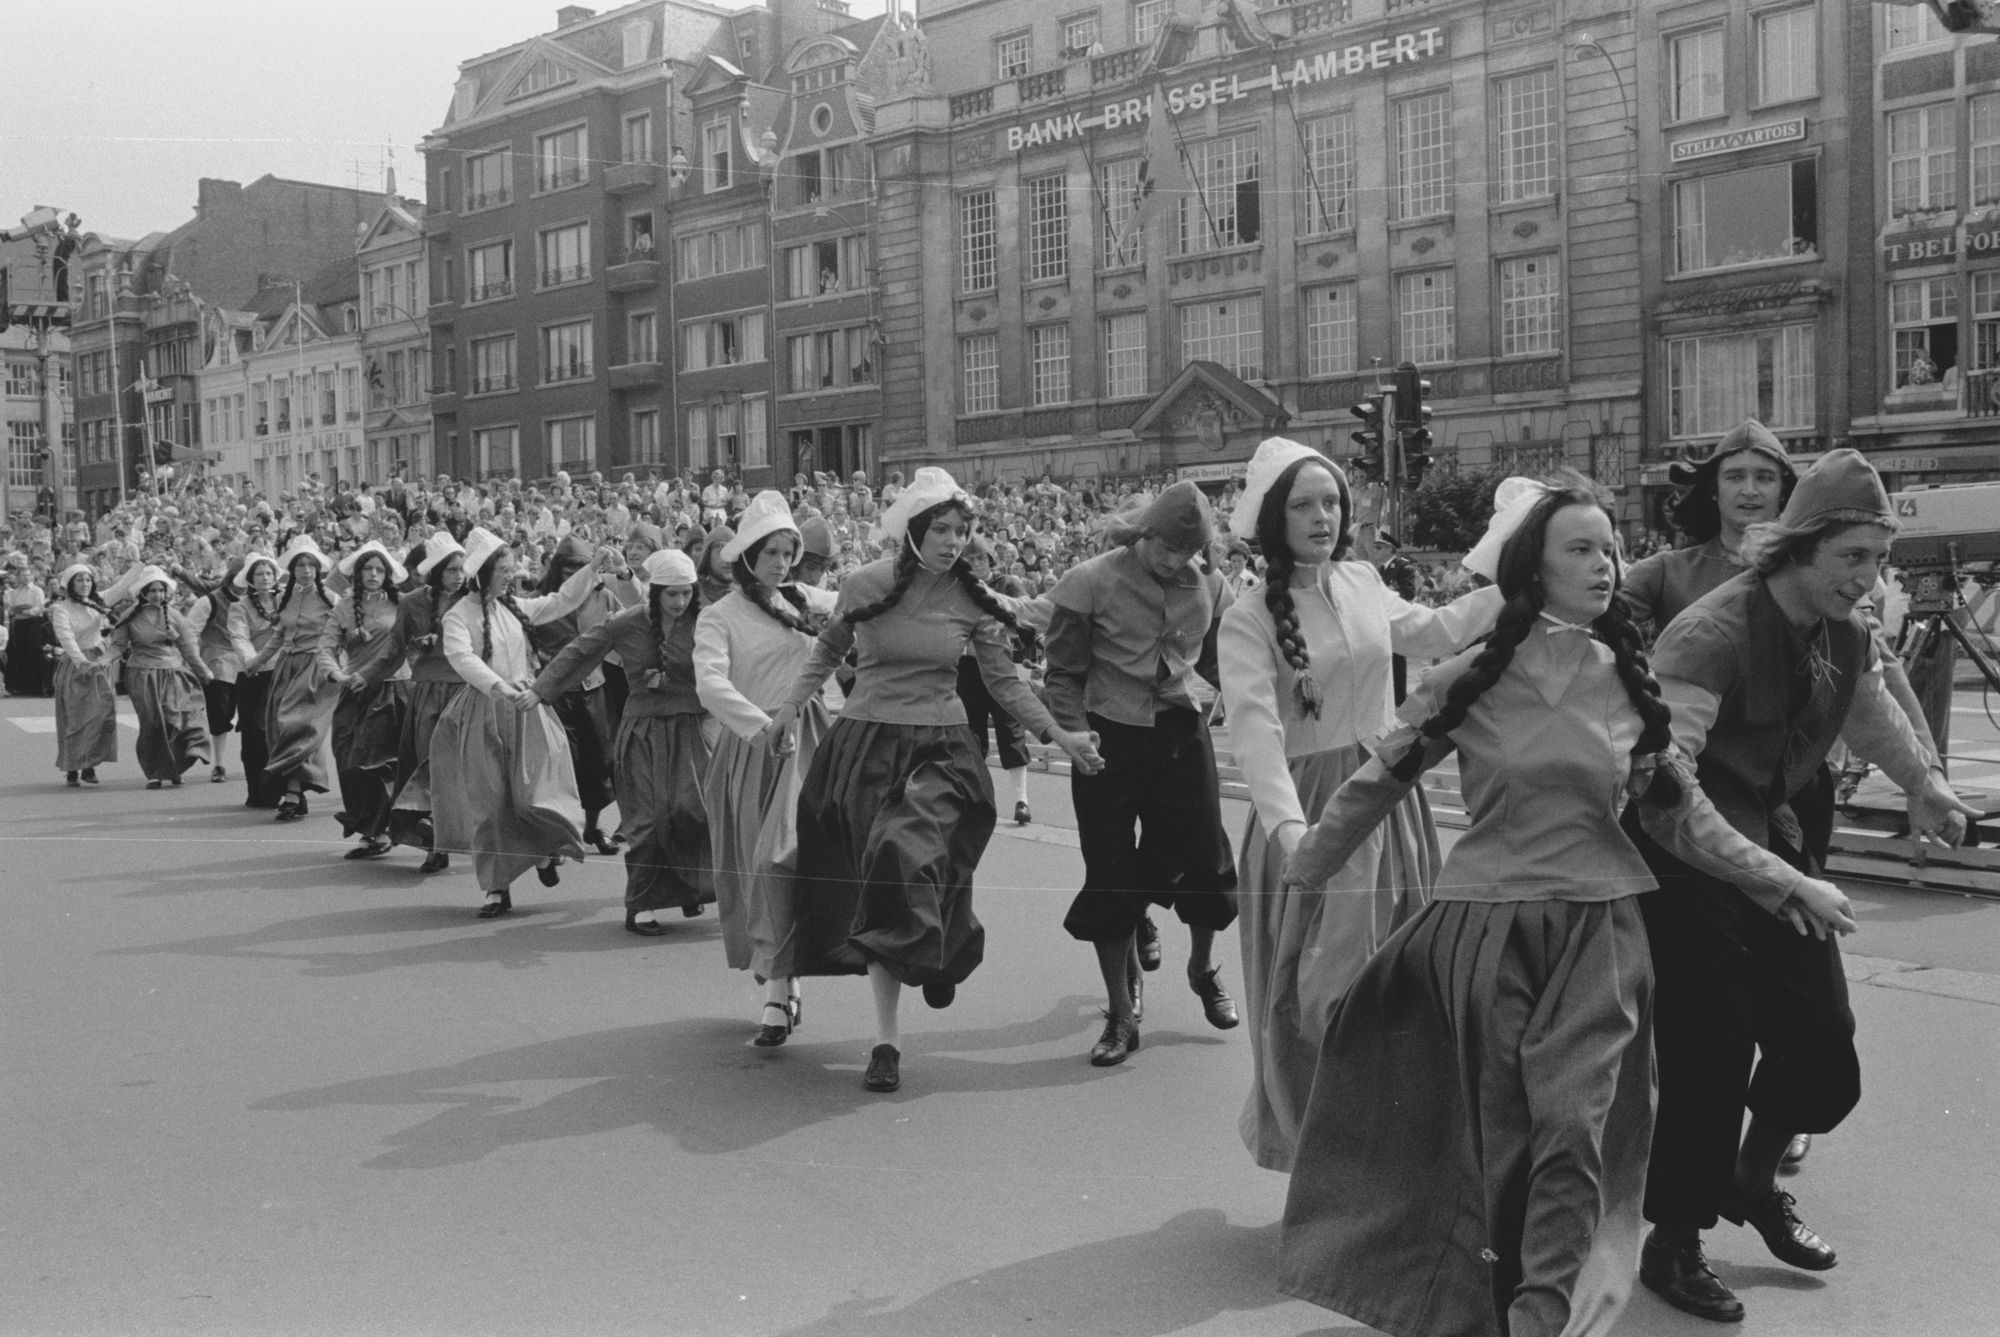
1341 62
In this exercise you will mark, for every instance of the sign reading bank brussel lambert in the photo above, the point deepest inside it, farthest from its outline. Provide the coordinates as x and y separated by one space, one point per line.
1341 62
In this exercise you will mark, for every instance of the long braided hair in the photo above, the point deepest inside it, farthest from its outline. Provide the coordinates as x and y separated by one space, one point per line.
659 622
139 605
1520 580
90 600
361 595
1279 564
258 600
292 580
482 584
906 571
797 616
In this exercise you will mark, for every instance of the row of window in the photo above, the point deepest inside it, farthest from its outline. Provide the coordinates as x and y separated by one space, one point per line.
1783 64
283 403
1077 35
566 355
561 159
563 256
24 376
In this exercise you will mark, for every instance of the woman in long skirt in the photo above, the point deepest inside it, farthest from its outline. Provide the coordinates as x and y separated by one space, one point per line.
419 638
662 748
1473 1155
299 707
86 696
897 807
748 649
210 618
504 790
1306 673
163 673
584 709
357 651
254 631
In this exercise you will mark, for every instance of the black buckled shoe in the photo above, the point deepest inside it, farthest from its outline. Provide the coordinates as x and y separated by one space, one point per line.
1216 1004
1120 1039
595 839
548 874
1149 944
1022 814
884 1069
1790 1240
772 1034
372 848
497 903
435 862
652 928
1677 1272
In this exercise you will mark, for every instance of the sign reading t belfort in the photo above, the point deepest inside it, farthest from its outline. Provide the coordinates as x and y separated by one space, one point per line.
1346 62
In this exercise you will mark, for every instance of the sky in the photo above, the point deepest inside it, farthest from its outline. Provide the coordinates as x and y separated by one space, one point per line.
115 109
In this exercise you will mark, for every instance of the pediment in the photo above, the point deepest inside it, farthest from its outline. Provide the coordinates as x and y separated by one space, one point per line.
1206 393
715 73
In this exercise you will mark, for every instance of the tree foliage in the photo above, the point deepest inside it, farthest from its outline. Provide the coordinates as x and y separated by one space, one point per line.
1449 512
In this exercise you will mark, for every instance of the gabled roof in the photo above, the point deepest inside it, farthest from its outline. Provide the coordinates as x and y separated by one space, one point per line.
391 223
1213 385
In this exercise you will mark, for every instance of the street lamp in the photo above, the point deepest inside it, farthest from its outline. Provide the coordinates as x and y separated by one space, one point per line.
1585 42
677 167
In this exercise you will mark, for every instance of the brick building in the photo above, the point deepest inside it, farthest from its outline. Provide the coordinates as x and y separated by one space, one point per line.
34 376
395 342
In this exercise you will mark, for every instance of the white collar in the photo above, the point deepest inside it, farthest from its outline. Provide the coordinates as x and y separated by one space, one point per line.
1556 624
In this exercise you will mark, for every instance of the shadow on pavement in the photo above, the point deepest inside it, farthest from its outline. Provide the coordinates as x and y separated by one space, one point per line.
1194 1269
695 1079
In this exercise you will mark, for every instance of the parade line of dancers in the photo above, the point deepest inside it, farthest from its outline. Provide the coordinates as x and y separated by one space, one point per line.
1482 1071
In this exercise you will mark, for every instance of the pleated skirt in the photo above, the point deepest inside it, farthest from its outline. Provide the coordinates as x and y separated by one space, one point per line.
297 714
367 733
753 823
173 725
893 819
1301 949
86 716
1473 1156
502 788
660 761
410 807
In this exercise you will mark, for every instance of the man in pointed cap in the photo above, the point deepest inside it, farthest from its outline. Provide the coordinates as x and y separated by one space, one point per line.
1763 674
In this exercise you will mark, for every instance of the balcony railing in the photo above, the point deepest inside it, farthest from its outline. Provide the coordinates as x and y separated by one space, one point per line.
1047 84
573 371
490 199
1117 67
1982 394
493 385
625 177
978 102
567 274
639 370
573 175
487 292
633 273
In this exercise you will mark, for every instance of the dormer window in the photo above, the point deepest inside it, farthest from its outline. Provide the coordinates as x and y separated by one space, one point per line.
545 73
638 36
464 98
715 155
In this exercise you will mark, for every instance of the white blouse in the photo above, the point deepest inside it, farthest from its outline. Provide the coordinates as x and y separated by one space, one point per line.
745 663
511 662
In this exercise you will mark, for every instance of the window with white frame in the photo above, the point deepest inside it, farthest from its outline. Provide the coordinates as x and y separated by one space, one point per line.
830 359
1329 174
489 271
1715 381
645 434
1922 158
566 352
1124 339
1048 227
979 378
1148 17
1330 330
1121 231
642 337
977 256
1986 320
1427 316
571 442
1048 364
1225 208
1787 54
1013 55
1530 306
756 437
24 454
726 420
826 267
700 453
488 179
636 138
726 250
565 254
1984 114
562 158
1914 25
715 156
1230 332
1749 216
1525 135
496 451
724 341
1423 155
1694 74
1079 34
1923 323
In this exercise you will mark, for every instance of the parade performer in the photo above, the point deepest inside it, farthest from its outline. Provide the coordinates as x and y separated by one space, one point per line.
418 640
502 784
1306 677
299 705
163 670
584 710
210 618
661 752
358 650
748 650
254 631
1127 629
86 696
1474 1150
1763 674
897 808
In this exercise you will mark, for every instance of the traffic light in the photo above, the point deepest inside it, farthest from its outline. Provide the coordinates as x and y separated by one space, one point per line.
1413 423
1372 437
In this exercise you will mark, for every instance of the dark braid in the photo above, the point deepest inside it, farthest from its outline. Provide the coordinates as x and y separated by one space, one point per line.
1517 615
90 600
795 618
361 591
796 597
291 579
982 594
139 605
1279 565
1617 630
906 571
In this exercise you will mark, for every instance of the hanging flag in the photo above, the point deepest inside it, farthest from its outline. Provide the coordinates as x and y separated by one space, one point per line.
1162 174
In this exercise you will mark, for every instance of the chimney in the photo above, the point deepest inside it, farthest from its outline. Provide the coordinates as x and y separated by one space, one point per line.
572 14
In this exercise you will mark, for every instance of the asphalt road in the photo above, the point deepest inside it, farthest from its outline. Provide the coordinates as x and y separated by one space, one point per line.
250 1088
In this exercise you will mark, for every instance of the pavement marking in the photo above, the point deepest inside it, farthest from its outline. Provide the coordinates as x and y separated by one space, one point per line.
1966 985
47 723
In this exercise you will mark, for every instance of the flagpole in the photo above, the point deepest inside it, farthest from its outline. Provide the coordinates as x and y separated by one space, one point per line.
118 417
1187 162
